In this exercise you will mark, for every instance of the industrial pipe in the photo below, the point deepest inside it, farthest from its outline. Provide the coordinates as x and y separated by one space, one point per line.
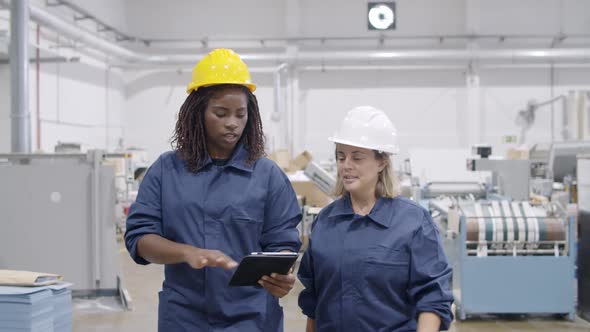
131 57
278 109
38 89
19 71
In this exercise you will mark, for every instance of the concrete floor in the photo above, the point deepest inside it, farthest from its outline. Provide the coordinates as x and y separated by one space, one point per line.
144 282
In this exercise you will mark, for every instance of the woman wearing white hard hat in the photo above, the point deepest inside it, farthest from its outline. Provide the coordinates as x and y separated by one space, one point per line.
375 260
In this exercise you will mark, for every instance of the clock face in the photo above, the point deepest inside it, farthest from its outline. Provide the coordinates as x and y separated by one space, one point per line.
381 16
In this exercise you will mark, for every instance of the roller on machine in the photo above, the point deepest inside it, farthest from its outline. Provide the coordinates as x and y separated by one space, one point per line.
512 228
509 257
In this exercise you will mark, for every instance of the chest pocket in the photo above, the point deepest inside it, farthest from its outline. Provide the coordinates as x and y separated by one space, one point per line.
386 272
386 257
238 233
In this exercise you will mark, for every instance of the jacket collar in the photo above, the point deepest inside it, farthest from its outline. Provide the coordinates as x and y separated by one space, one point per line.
380 214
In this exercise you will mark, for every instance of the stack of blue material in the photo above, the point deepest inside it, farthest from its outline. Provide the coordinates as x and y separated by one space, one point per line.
62 310
33 309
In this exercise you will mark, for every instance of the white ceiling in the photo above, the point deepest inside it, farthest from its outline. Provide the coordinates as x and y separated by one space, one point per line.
279 19
189 27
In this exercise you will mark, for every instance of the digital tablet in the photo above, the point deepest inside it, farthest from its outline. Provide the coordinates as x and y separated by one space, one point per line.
258 264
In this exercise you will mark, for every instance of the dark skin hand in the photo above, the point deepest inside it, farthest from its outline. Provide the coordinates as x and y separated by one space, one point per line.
199 258
278 285
159 250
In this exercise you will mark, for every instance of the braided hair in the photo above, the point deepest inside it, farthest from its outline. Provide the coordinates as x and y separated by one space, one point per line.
189 139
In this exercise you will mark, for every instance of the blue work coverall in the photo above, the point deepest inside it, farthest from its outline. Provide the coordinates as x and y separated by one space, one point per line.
376 272
237 208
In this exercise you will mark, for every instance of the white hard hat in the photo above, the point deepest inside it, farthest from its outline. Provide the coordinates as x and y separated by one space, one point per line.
367 127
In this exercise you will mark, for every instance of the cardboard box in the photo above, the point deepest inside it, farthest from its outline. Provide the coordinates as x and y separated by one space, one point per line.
313 195
282 159
517 154
300 162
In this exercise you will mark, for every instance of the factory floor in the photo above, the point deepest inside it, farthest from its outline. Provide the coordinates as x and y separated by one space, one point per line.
144 282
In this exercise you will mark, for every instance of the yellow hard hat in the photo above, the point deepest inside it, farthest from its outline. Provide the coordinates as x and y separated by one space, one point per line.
220 66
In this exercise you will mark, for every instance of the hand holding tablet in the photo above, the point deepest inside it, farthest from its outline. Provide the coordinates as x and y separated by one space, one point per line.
256 265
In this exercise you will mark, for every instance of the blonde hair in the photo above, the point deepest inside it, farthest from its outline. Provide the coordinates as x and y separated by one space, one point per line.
387 182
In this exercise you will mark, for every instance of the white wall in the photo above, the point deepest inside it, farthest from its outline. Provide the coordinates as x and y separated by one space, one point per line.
431 109
422 105
78 103
152 104
154 100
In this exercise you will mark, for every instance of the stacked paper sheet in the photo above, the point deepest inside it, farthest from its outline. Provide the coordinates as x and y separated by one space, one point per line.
33 309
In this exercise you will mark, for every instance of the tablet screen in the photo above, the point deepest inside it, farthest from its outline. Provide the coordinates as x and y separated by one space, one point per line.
257 265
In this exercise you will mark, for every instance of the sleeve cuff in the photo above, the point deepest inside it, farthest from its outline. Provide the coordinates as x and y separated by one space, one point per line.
292 247
443 312
307 300
307 304
132 248
309 313
286 240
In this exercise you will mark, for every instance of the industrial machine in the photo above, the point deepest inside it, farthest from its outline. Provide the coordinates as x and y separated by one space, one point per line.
58 216
583 193
574 115
563 158
421 181
583 178
516 179
554 168
512 253
310 213
509 257
584 264
510 178
321 177
436 189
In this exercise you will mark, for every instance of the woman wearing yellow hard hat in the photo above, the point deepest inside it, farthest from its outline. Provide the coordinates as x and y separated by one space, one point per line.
211 201
375 260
